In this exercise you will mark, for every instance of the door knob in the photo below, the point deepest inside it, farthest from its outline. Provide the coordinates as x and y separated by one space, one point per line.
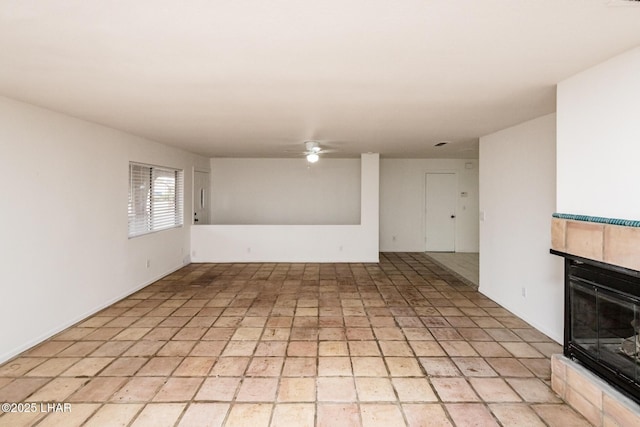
453 216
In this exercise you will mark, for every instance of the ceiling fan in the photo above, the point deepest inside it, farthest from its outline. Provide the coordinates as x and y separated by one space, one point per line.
313 151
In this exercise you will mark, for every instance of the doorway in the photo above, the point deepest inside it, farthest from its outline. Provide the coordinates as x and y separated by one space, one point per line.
201 198
441 191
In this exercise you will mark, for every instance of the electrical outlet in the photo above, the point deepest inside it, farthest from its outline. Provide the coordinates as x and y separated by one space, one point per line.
524 292
148 263
249 250
393 238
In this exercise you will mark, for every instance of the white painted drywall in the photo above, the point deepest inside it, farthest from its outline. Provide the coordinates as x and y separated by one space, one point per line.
517 198
298 243
402 203
64 246
599 139
285 191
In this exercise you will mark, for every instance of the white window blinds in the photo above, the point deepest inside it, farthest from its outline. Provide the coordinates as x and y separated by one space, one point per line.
155 198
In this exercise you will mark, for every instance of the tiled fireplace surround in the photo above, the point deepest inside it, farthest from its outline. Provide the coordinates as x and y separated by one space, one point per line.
613 244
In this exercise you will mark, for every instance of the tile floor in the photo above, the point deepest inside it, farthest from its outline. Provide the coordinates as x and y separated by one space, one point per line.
465 265
402 342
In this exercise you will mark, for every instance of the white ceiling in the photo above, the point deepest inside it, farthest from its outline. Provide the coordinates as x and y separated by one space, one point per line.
259 77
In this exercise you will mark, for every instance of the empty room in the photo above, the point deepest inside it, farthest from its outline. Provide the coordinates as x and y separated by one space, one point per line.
287 213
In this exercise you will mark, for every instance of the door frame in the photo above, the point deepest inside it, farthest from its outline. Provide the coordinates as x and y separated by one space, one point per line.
424 203
193 196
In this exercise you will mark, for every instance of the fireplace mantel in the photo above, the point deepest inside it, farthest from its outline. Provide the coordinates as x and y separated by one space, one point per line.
612 241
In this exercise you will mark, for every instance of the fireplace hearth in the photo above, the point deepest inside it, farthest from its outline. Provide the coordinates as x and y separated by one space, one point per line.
602 321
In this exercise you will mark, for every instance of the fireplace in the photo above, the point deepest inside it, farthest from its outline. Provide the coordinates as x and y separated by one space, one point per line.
602 321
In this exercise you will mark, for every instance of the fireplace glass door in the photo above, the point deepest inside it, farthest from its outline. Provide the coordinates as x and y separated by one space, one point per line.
605 326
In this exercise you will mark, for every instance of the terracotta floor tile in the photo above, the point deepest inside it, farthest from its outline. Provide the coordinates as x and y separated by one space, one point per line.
333 348
560 416
218 389
159 366
294 414
98 390
271 348
195 366
374 390
176 348
368 367
533 390
297 390
79 413
494 390
509 367
541 368
490 349
334 366
414 390
143 348
336 389
249 415
52 367
57 390
265 367
470 414
521 349
207 348
458 348
338 415
454 390
381 415
159 415
502 334
439 367
189 334
112 348
240 348
363 348
230 366
139 389
123 367
276 334
302 349
161 334
19 366
427 348
17 390
218 334
204 415
516 415
115 415
395 348
299 367
257 390
178 390
418 334
426 415
403 367
474 367
388 334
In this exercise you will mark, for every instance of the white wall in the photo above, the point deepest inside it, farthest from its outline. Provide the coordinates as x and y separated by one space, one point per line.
285 191
298 243
402 203
599 140
64 247
517 198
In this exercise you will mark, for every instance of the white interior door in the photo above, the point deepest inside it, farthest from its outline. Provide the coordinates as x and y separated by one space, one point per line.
441 198
201 197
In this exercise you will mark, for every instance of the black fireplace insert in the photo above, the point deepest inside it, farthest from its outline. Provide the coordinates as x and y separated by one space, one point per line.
602 321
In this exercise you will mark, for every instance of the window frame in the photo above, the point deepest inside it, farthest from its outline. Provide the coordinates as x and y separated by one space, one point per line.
145 216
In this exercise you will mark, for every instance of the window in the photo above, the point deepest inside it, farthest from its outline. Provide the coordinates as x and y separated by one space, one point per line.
155 198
